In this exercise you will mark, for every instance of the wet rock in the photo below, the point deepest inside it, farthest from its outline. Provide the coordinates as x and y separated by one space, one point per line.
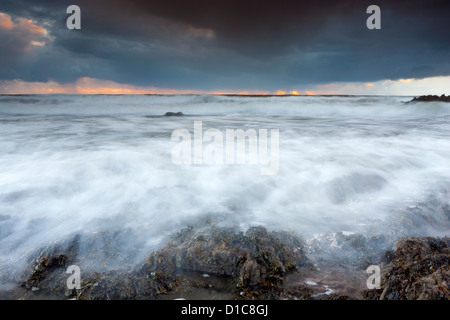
429 98
257 260
372 294
419 269
43 268
248 265
430 216
225 263
126 285
353 250
334 296
173 114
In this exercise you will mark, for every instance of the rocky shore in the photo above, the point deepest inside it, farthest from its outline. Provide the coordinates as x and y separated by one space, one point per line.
214 262
418 269
429 98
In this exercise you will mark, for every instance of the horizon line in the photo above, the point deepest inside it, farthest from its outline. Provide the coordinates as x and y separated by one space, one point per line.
214 94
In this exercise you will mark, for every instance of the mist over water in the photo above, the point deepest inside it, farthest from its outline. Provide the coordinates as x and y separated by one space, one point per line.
73 164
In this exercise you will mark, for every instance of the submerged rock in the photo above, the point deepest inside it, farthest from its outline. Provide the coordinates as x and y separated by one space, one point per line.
344 188
355 250
430 216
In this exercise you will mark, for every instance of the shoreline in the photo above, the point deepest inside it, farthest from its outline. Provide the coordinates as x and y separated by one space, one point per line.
219 263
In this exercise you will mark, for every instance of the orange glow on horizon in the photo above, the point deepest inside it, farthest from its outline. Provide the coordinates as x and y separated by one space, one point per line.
294 92
87 85
405 80
242 93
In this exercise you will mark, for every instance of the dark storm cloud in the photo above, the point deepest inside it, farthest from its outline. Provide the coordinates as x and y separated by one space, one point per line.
211 44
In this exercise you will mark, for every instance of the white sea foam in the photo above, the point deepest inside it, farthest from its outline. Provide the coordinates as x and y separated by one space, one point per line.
89 163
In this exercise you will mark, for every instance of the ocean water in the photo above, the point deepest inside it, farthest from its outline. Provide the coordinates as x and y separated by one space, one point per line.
74 163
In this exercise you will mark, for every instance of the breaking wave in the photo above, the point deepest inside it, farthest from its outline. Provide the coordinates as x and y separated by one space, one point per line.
73 164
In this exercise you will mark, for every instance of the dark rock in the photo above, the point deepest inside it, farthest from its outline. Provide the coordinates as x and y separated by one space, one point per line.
224 263
256 259
430 98
419 270
372 294
44 267
248 265
334 297
172 114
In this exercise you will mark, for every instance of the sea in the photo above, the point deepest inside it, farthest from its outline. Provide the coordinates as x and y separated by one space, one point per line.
89 163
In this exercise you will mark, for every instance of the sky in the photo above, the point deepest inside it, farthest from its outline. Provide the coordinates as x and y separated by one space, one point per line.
225 46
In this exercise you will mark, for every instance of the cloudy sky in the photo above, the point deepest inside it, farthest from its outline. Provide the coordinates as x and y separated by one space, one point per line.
225 46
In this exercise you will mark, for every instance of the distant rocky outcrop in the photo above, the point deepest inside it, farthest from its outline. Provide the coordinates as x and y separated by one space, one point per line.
173 114
430 98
